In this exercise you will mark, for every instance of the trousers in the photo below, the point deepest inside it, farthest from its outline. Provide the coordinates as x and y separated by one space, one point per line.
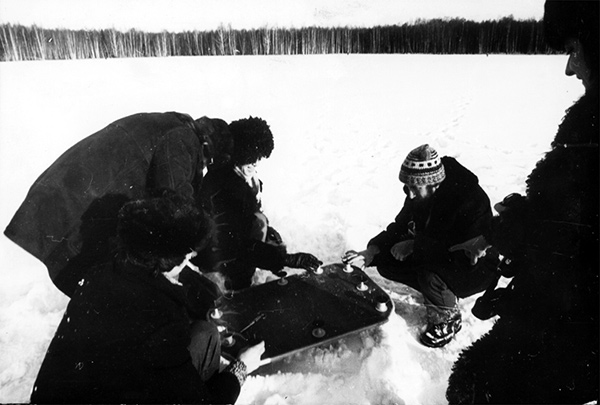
440 284
205 348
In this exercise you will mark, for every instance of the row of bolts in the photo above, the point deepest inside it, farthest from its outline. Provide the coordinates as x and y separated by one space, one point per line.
317 332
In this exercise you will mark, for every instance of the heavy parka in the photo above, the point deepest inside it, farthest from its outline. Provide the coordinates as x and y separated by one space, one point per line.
68 218
124 339
458 211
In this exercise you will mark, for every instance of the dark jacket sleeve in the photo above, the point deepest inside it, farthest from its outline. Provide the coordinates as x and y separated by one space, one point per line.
471 218
232 204
460 211
201 293
265 255
458 221
395 231
167 354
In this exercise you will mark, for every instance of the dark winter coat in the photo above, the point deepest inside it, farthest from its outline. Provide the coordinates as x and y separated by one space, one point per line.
124 339
544 347
553 231
70 213
232 203
458 211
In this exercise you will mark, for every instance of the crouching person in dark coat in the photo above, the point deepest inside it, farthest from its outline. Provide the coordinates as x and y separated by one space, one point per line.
69 216
128 334
244 238
445 215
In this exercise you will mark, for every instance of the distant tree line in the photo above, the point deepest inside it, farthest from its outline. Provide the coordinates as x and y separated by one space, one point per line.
450 36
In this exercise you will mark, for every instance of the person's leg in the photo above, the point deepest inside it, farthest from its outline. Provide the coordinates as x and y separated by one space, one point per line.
443 315
403 272
205 348
434 289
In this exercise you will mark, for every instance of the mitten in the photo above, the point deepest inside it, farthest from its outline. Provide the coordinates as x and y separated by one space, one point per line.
302 261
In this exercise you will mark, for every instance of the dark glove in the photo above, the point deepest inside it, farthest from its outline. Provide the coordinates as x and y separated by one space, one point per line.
490 304
514 201
301 261
511 227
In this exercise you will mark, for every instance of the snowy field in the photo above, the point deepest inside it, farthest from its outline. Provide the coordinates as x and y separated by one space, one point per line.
342 126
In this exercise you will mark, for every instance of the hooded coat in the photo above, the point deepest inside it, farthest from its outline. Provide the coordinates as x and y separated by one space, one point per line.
124 339
69 216
459 210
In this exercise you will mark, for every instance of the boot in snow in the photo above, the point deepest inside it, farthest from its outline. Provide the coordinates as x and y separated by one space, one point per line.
442 327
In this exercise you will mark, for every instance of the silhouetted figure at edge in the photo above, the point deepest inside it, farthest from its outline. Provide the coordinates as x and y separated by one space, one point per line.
544 346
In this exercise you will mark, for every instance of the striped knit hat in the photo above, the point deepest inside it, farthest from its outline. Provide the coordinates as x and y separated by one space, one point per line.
422 167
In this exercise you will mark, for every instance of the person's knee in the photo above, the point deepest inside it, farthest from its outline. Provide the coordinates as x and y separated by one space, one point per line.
205 344
401 273
387 271
430 280
201 328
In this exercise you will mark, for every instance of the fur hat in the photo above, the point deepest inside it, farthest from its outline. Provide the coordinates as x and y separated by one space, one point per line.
422 167
166 227
252 140
573 19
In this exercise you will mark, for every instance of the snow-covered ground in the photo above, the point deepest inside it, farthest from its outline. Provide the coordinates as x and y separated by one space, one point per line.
342 126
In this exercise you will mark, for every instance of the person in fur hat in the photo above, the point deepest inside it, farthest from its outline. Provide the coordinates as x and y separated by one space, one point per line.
544 346
129 335
445 215
232 194
69 216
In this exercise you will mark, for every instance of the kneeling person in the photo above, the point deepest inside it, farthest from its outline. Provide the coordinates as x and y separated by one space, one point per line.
128 334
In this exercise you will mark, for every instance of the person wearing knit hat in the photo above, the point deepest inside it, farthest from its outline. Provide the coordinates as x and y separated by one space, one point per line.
437 243
422 167
132 332
245 240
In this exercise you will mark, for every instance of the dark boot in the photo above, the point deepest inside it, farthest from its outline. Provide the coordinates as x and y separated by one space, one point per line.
442 325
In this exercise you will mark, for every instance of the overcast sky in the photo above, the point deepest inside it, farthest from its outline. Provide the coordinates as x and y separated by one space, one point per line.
177 15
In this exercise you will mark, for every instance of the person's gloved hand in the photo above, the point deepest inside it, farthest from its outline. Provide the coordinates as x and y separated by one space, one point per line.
474 248
302 261
403 249
514 201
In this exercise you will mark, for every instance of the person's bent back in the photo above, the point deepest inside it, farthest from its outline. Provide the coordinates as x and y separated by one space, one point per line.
125 335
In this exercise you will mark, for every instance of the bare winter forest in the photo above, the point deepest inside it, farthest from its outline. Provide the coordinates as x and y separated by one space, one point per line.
448 36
